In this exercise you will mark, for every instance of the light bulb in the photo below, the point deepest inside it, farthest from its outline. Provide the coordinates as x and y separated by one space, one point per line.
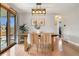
37 12
33 11
40 12
43 11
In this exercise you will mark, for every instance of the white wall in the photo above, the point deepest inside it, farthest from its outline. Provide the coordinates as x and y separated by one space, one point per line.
26 18
71 20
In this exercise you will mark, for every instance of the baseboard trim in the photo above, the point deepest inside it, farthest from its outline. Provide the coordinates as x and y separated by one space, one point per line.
68 41
71 44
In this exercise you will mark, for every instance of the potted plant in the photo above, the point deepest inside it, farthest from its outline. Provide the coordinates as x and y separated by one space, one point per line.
23 28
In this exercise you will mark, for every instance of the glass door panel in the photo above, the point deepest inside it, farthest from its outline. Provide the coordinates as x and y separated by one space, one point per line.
3 25
12 28
0 29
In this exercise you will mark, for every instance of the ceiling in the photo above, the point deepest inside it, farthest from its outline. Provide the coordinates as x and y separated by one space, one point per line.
58 8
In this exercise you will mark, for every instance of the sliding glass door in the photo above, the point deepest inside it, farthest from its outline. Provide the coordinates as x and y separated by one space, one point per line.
7 28
3 29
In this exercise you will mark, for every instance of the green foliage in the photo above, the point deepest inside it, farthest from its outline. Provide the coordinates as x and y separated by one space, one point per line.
23 28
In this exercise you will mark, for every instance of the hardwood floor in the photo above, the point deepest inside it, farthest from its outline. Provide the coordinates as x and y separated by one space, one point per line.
69 50
66 50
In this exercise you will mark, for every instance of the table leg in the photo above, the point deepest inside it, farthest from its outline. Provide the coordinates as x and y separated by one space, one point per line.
25 43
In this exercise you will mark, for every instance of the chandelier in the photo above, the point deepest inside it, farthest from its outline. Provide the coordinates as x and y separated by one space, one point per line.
38 9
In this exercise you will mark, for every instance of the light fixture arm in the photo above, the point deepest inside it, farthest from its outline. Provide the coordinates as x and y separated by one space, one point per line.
38 5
